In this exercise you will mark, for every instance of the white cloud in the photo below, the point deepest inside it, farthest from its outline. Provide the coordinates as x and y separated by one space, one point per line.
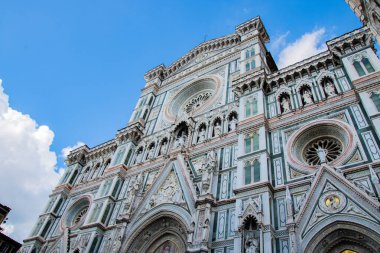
278 42
308 45
26 168
8 229
66 151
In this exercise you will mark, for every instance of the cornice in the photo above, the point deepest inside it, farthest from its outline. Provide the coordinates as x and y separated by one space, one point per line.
133 132
252 25
215 44
83 154
102 149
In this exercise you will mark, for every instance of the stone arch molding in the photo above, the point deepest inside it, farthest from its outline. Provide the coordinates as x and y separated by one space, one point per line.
174 222
325 128
72 210
303 82
251 208
364 229
194 98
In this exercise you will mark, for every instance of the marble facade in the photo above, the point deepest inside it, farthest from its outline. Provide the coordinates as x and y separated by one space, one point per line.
225 153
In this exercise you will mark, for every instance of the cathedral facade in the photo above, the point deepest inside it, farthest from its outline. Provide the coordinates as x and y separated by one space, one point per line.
224 153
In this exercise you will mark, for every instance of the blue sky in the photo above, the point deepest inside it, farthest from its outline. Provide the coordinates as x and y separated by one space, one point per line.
77 66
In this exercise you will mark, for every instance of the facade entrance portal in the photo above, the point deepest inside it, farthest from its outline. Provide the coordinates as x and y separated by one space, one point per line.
164 235
344 240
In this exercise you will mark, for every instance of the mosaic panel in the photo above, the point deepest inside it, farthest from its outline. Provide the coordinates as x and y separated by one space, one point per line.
371 145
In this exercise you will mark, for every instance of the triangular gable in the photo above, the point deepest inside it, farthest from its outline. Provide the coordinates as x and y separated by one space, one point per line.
171 187
331 194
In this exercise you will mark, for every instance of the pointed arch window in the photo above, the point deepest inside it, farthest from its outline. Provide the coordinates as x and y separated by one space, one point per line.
252 52
252 172
58 205
256 171
359 68
46 229
251 107
73 177
246 54
106 188
247 173
145 114
367 64
251 143
247 144
128 157
248 108
95 212
247 66
116 188
376 100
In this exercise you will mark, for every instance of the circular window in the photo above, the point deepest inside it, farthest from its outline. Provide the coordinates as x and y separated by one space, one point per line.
194 98
76 213
80 216
196 101
322 150
330 141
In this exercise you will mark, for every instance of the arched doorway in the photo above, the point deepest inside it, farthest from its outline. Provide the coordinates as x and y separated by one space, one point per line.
163 235
345 238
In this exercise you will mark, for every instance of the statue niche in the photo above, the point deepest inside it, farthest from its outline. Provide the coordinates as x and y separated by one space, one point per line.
232 122
201 133
163 147
207 169
285 105
328 87
151 150
251 235
139 155
217 128
307 96
181 135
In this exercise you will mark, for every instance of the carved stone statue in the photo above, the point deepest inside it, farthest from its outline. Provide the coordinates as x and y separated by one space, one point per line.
207 169
252 245
285 104
201 134
139 156
206 231
322 154
116 245
329 89
83 243
211 159
190 233
180 141
217 129
232 124
133 189
300 202
151 153
164 147
307 97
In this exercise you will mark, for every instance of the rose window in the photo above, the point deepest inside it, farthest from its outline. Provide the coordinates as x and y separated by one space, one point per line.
328 148
328 141
76 213
193 98
196 102
79 216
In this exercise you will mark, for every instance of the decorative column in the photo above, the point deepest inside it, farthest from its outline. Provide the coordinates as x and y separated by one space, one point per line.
290 224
